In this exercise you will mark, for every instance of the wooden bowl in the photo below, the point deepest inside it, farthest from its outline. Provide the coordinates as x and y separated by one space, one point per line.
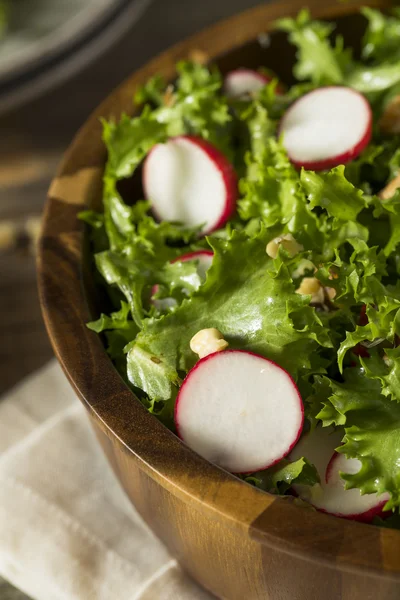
235 540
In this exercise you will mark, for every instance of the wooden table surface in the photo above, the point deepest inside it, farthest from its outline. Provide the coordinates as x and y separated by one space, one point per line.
32 141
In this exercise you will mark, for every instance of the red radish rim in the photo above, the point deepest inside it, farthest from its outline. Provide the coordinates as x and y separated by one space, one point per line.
204 359
345 157
363 318
364 517
228 174
192 255
224 167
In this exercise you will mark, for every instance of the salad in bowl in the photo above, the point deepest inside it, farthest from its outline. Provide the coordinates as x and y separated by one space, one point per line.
253 295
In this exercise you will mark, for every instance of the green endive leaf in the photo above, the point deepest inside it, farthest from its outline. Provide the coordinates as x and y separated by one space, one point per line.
278 479
250 301
372 434
317 59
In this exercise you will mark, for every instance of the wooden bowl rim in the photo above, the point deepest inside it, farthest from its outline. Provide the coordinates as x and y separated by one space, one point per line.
271 520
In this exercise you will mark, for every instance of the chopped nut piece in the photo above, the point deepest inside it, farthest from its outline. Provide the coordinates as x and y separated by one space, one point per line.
330 292
390 120
309 285
287 241
313 287
169 97
333 274
207 341
389 190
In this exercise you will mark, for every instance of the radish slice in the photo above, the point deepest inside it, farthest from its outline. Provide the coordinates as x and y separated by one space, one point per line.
350 503
189 181
331 496
326 127
204 260
239 410
242 82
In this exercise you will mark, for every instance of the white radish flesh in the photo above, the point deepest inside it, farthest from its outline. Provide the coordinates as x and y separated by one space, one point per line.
204 260
326 127
242 82
350 503
239 410
188 180
330 496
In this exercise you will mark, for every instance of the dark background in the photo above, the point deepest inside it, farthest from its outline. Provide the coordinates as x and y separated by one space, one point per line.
32 141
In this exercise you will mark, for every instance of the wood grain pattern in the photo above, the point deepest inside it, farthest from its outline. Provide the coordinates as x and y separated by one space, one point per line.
234 539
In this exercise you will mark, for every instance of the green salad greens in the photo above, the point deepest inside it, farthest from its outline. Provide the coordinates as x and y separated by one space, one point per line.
342 351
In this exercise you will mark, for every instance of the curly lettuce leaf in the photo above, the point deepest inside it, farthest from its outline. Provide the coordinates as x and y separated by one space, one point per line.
271 192
118 329
317 58
95 221
194 77
383 324
197 107
394 161
261 128
381 38
332 192
372 434
357 277
325 61
376 165
194 107
278 479
319 209
385 368
153 91
250 300
375 78
140 252
152 374
117 320
129 140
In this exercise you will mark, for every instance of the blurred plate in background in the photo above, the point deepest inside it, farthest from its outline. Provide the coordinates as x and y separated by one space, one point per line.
46 41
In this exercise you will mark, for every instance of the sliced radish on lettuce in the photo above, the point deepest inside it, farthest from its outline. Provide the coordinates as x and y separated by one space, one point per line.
327 127
239 410
330 495
242 82
350 503
203 259
188 180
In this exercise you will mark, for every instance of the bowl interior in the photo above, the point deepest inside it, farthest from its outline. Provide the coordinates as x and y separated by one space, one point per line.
70 298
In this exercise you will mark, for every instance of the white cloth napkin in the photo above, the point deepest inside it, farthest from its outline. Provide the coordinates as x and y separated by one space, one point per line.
67 530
